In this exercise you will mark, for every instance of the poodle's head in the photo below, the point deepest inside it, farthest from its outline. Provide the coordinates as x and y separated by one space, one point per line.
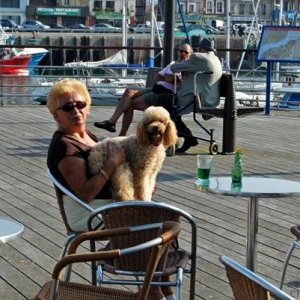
156 128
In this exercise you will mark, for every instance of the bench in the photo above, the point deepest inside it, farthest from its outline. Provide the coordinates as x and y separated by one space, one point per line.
151 75
229 113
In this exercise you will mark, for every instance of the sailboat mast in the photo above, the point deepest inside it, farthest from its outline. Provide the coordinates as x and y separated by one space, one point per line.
228 21
255 9
124 34
151 54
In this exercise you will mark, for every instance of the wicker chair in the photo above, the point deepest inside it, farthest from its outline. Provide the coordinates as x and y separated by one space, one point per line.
295 230
155 248
247 285
71 234
133 213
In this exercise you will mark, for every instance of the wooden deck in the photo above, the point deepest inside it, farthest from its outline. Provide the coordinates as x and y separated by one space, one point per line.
271 148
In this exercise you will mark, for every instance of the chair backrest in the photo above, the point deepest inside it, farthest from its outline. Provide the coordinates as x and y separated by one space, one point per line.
158 245
151 74
133 213
247 285
60 191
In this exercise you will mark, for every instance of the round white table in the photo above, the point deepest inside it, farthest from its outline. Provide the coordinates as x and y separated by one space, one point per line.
254 188
9 229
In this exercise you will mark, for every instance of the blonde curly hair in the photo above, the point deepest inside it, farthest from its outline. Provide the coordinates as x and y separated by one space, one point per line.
66 87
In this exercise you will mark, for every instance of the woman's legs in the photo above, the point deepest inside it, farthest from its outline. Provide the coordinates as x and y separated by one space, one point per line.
123 105
137 103
126 121
131 99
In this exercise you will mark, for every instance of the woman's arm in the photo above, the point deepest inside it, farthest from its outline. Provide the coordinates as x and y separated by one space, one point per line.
74 170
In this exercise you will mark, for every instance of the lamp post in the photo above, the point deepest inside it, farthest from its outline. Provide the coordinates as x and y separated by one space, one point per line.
169 14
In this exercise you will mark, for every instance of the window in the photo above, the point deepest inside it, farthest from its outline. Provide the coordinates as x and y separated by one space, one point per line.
98 5
209 7
63 2
251 10
10 3
220 7
110 5
192 7
263 9
182 7
242 9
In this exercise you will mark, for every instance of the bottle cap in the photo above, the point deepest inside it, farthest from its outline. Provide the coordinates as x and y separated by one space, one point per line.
239 150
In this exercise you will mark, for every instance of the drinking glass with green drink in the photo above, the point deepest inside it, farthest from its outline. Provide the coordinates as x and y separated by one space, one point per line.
204 167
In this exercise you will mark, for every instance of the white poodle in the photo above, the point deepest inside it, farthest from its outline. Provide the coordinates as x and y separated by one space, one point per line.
145 153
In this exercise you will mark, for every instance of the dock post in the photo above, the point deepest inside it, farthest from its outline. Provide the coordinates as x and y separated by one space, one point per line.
229 117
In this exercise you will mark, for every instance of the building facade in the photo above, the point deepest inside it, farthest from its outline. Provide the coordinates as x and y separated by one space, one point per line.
14 9
66 12
88 12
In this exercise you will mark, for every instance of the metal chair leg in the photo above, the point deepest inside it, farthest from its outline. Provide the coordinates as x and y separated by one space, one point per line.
68 239
179 284
286 261
93 264
99 275
68 270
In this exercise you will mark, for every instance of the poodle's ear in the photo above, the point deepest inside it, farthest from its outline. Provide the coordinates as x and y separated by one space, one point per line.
170 136
140 134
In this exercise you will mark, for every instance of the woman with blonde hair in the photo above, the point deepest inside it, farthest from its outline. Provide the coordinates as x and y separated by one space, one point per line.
69 103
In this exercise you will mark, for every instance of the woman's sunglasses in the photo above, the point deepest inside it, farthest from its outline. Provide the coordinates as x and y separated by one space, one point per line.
70 106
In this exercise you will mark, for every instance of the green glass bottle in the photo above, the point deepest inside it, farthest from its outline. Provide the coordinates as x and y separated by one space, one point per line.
237 169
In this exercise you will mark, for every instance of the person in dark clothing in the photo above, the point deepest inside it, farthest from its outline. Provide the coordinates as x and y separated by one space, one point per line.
140 99
208 87
69 103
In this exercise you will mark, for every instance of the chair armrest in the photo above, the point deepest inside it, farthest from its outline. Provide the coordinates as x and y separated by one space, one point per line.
172 228
170 231
99 235
86 257
216 112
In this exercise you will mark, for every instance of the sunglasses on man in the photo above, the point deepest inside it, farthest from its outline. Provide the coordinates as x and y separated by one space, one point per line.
183 51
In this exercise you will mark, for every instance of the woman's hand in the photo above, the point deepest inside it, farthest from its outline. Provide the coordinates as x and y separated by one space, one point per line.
115 154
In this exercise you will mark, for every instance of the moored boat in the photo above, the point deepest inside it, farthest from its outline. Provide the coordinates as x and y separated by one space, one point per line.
19 56
37 54
103 91
14 64
290 89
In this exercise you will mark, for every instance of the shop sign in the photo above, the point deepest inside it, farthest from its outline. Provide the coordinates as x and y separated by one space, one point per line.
108 15
58 11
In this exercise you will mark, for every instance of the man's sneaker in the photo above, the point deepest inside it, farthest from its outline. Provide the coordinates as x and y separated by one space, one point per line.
206 117
170 151
106 125
187 144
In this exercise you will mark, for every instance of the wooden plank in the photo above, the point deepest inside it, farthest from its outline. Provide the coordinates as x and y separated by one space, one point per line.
271 148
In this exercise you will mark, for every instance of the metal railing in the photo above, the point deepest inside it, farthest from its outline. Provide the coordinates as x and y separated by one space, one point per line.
105 84
108 83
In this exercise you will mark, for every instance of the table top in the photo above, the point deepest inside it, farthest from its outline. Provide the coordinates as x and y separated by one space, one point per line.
9 229
263 187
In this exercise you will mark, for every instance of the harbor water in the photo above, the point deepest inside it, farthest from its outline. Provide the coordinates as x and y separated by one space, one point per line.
17 90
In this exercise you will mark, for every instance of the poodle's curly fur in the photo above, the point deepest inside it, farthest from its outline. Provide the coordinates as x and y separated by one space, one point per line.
145 153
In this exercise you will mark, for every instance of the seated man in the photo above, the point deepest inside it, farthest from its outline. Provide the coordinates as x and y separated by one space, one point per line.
208 86
140 99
